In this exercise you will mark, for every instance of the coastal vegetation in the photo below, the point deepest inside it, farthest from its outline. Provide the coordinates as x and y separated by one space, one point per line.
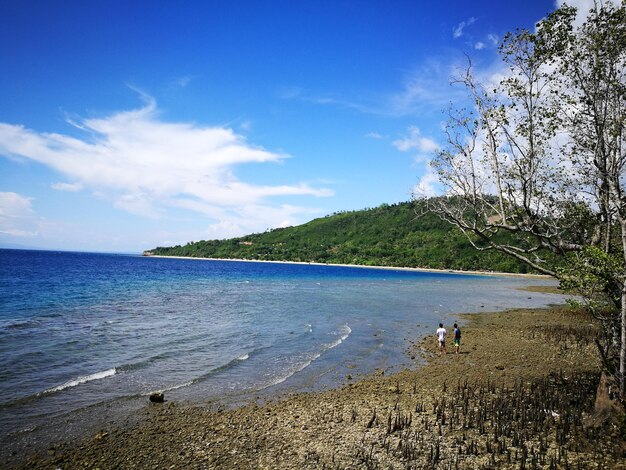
540 155
401 235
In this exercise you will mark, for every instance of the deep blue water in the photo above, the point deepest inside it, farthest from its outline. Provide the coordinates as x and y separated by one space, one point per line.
78 330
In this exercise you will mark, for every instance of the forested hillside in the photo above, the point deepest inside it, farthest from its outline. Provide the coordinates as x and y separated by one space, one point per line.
389 235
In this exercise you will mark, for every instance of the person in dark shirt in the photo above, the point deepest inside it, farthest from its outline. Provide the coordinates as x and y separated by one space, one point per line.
457 338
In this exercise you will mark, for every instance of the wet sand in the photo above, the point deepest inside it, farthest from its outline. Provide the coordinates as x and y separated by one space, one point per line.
520 394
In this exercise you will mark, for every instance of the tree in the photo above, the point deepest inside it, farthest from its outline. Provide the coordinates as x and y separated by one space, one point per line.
540 155
498 167
592 62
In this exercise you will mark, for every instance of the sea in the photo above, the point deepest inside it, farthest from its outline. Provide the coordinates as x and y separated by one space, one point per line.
85 338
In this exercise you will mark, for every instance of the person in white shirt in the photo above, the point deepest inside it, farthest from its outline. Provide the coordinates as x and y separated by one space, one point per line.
441 337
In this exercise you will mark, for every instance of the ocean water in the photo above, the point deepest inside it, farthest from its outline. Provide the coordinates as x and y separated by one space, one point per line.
81 333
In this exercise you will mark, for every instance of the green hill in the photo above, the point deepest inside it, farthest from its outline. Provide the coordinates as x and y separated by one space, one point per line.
388 235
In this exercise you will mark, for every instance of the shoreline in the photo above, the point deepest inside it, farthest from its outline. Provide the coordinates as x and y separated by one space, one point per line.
391 268
389 421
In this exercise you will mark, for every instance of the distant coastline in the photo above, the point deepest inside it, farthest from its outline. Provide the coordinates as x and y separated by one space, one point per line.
389 235
148 254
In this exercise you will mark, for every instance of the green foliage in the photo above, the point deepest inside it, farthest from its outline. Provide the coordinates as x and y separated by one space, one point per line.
389 235
595 275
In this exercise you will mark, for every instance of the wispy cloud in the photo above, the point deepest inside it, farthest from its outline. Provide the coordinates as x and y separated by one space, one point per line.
182 82
458 30
69 187
425 89
17 217
374 135
490 41
147 166
326 99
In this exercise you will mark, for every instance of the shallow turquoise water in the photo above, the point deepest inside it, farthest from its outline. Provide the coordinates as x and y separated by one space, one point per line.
79 331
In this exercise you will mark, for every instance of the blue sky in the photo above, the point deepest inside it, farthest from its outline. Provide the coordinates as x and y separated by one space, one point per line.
127 125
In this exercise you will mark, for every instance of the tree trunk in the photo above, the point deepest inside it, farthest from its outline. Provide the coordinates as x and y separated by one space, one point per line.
622 349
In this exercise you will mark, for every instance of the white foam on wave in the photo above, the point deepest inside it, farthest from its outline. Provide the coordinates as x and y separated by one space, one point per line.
191 382
294 371
174 387
83 379
345 332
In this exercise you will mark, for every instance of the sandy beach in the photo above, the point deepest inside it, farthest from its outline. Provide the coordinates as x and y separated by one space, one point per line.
520 395
394 268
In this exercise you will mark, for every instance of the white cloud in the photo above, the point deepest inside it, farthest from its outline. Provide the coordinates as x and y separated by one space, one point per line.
493 39
248 219
583 7
479 46
415 141
17 217
457 32
145 165
138 203
374 135
69 187
428 185
224 229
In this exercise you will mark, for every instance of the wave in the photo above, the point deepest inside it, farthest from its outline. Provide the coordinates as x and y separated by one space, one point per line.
140 364
345 332
173 387
177 348
293 372
19 324
228 365
209 374
81 380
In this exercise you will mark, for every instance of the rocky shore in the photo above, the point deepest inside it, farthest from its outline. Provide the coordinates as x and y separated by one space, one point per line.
520 395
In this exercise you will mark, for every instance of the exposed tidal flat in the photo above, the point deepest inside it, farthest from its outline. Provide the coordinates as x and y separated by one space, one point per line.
86 338
520 395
